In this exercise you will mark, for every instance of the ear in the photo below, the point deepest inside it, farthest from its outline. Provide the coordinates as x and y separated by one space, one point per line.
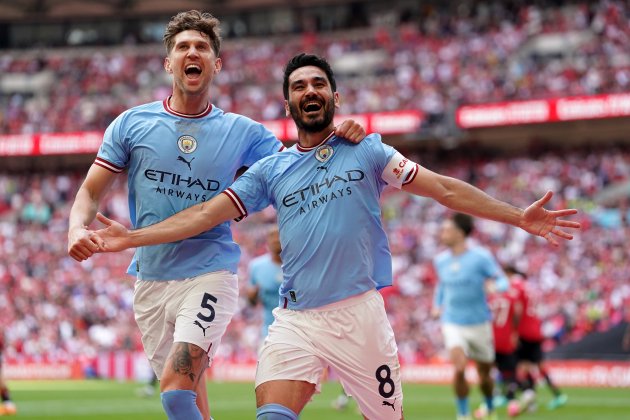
287 111
167 66
218 65
336 99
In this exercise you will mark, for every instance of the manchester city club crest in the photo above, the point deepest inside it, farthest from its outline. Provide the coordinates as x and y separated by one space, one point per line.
187 144
323 153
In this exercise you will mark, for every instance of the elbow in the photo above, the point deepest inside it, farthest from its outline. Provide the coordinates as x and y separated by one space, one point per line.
447 198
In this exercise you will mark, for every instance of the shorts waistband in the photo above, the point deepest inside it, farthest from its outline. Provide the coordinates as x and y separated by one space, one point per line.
346 303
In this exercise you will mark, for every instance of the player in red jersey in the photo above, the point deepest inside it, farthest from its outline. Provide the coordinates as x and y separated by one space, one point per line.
7 407
529 352
506 307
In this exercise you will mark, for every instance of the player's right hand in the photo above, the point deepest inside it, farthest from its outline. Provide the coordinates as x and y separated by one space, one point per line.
114 237
82 243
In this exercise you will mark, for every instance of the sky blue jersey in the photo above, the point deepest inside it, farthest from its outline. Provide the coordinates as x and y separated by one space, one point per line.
329 216
175 161
460 292
266 274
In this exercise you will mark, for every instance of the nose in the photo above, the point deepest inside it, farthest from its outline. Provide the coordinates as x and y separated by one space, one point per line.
192 51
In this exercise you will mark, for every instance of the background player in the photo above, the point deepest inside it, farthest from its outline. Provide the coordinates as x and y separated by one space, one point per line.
463 271
265 277
529 352
506 311
7 407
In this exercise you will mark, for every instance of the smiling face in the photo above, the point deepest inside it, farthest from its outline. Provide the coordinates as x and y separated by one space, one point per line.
311 101
192 62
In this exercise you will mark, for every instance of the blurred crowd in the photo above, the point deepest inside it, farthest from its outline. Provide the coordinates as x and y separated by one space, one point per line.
468 52
56 308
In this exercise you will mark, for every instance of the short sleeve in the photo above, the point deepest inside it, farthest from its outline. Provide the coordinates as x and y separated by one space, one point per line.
113 154
264 143
249 192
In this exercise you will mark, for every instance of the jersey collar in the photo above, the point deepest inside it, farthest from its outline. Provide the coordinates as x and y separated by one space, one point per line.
308 149
170 110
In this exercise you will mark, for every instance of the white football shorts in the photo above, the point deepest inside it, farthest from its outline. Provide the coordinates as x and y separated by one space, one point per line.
352 336
477 340
195 310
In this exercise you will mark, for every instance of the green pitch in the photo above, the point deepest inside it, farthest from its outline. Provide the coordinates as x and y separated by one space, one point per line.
100 400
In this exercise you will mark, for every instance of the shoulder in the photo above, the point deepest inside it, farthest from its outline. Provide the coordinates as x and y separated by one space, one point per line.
481 252
141 111
239 119
442 256
258 261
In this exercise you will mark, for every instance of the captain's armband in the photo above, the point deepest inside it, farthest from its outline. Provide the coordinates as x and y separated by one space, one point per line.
399 171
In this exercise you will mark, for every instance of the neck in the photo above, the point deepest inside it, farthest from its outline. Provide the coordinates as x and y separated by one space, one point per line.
459 248
307 139
188 104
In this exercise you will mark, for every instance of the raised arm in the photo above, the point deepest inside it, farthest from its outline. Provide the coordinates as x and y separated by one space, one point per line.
463 197
81 242
190 222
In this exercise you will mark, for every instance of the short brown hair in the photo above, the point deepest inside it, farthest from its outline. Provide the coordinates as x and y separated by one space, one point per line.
196 21
463 222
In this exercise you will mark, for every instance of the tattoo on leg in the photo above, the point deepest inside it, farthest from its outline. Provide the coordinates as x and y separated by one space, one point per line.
188 357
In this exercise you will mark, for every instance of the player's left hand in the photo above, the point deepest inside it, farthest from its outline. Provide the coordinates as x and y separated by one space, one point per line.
351 131
547 223
114 237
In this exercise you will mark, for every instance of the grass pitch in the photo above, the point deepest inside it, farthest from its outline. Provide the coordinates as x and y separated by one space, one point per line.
107 400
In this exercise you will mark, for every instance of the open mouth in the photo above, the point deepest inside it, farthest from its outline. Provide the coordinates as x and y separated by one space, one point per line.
192 71
311 106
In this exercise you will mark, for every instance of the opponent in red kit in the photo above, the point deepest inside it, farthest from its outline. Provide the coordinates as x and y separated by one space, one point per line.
506 308
7 407
529 352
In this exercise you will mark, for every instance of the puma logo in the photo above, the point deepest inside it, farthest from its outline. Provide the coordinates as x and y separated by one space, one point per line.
390 404
322 167
201 326
187 162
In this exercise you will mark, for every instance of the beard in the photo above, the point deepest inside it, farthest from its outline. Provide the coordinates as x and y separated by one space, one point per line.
317 124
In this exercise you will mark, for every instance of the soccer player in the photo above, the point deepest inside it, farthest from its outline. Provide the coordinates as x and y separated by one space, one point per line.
265 277
463 271
334 250
506 311
179 152
7 407
530 353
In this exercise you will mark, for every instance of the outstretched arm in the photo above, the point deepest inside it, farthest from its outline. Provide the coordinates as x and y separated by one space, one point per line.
466 198
190 222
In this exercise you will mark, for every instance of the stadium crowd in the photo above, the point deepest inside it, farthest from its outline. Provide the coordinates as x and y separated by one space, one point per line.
56 308
469 52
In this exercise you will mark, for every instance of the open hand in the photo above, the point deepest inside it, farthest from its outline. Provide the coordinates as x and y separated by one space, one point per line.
114 237
547 223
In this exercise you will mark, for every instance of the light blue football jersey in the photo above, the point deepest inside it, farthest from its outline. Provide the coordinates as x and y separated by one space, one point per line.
460 292
176 161
266 274
329 217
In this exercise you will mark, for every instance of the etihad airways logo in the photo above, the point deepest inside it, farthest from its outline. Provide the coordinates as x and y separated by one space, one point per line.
178 180
335 185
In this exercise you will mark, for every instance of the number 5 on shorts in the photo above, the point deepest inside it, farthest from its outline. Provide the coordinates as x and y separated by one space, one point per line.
206 305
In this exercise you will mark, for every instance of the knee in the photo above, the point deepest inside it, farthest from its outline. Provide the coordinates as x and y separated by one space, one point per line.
275 412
